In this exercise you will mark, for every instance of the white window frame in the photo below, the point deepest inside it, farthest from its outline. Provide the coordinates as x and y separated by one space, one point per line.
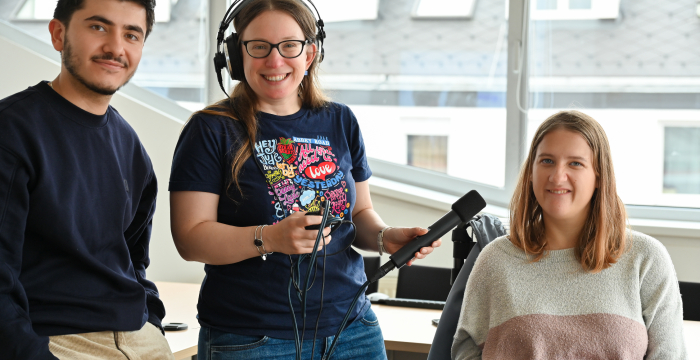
449 12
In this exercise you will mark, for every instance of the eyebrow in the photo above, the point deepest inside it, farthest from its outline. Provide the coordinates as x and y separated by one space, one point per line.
101 19
568 157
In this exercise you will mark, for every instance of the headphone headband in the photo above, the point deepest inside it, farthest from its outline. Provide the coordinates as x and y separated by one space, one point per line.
232 57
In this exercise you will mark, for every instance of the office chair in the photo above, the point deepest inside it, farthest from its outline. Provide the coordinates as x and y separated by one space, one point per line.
486 229
690 294
423 283
372 264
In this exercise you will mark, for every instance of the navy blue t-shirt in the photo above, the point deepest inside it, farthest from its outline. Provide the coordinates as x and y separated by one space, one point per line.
307 157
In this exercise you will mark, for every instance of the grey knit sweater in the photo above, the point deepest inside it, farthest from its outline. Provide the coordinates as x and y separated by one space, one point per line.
553 309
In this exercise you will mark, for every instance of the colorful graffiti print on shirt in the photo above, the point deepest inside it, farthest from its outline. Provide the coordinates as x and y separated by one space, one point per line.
303 172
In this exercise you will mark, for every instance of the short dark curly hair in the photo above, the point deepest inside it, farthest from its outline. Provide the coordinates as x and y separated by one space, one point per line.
65 9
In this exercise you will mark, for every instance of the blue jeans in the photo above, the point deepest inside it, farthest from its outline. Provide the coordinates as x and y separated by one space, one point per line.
361 340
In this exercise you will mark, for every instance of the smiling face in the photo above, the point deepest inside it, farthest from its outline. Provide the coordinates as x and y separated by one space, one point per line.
276 79
102 45
563 177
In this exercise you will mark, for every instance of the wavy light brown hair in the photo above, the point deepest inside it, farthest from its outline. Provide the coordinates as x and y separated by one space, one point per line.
603 237
242 106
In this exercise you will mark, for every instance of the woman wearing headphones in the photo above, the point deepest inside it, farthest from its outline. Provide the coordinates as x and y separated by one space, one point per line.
241 168
570 281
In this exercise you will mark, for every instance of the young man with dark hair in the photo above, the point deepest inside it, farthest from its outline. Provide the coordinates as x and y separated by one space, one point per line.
77 197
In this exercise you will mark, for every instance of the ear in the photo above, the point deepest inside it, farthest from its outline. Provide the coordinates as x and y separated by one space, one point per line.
310 56
58 34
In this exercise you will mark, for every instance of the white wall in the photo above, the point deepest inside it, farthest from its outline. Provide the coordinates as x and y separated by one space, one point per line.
21 67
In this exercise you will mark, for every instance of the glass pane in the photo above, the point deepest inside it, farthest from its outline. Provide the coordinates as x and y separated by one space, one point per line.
333 11
546 4
639 77
444 8
173 58
428 152
682 160
579 4
426 77
37 10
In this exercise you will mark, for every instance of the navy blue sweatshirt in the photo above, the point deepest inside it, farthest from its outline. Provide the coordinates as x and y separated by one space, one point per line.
77 196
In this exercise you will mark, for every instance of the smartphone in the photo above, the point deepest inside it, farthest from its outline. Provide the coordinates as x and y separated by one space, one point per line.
174 326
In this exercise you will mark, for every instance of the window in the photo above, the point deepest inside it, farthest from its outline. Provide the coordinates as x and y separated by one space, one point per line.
336 11
175 55
443 9
575 9
682 160
433 78
37 10
427 152
640 82
43 10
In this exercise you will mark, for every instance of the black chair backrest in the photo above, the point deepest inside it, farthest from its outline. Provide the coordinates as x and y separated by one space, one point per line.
690 293
486 229
371 266
423 283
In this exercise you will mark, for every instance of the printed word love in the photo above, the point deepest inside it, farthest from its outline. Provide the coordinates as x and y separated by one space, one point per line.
320 171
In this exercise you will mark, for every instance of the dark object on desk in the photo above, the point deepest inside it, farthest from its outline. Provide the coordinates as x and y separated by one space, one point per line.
371 266
486 228
423 282
436 321
413 303
174 326
690 294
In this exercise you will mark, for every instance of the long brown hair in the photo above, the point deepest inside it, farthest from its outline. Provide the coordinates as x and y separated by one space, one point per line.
242 106
603 237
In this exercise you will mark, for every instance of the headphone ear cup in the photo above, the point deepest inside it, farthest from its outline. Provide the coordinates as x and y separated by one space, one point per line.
235 57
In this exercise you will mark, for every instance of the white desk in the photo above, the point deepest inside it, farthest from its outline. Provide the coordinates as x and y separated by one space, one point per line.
404 329
180 302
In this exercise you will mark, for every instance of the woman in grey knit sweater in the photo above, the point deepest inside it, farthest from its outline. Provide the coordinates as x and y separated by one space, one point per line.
571 281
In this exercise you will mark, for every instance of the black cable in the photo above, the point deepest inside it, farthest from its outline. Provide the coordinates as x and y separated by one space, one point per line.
354 235
302 287
297 344
312 263
345 320
323 288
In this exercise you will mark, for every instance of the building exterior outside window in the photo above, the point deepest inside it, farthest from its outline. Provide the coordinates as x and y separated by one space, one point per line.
410 72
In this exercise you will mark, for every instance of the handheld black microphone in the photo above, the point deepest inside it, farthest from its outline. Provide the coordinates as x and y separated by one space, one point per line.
462 211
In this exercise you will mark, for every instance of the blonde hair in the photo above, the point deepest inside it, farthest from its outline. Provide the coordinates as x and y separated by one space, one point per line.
603 237
242 106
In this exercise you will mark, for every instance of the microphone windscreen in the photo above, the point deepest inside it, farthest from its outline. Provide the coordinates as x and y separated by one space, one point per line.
469 205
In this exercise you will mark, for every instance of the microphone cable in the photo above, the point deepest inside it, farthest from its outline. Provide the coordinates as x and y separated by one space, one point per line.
302 287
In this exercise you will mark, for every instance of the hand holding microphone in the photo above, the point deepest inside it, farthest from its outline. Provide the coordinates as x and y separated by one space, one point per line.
396 238
462 211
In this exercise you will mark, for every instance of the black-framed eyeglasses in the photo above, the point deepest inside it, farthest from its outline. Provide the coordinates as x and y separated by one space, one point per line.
288 48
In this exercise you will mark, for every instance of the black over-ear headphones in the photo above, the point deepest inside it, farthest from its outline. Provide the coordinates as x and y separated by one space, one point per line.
232 57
